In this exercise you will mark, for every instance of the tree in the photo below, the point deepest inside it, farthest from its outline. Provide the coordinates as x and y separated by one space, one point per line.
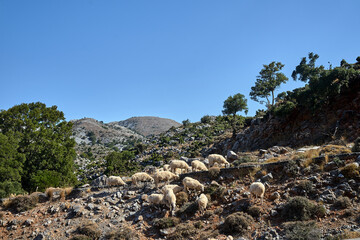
232 105
269 79
120 163
307 70
44 138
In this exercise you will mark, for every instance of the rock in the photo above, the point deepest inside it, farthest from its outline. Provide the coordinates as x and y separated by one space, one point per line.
53 209
274 196
100 181
28 222
90 206
39 237
267 177
232 156
167 231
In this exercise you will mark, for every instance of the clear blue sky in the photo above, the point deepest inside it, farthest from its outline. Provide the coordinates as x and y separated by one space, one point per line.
179 59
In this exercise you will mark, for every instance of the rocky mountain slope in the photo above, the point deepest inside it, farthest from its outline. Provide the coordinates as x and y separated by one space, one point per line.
326 204
147 126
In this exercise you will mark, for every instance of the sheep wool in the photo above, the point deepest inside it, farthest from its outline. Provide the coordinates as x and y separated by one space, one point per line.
217 158
198 166
175 164
202 202
164 176
190 183
115 181
141 177
257 189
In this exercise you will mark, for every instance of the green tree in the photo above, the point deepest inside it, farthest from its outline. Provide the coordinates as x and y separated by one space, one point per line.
269 79
307 70
44 138
11 166
119 163
232 105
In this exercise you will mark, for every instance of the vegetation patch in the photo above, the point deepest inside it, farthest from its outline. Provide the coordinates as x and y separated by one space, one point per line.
184 231
350 171
123 233
167 222
302 209
22 203
90 229
302 230
237 223
342 203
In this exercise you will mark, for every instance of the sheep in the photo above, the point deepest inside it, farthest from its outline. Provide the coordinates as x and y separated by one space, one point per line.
190 183
197 165
174 187
164 176
202 202
170 199
155 198
213 158
258 189
174 164
115 181
166 167
141 177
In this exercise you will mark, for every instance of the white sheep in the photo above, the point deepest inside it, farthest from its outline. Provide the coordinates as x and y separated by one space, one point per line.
202 202
174 187
175 164
190 183
170 199
115 181
257 189
164 176
141 177
217 158
166 167
155 198
198 166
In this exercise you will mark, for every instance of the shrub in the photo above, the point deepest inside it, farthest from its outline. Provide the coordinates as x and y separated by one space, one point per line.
168 222
22 203
305 185
80 237
356 147
181 198
302 209
206 119
302 230
214 172
237 223
90 229
188 209
124 233
350 171
254 211
183 231
216 192
334 150
342 203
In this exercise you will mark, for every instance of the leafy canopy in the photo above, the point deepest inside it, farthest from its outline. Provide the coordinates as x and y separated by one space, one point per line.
269 79
43 139
232 105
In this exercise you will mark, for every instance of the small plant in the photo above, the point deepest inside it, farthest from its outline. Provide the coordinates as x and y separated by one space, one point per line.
254 211
90 229
124 233
216 192
183 231
181 198
237 223
334 150
342 203
80 237
188 209
214 172
302 209
22 203
302 230
166 222
350 171
356 147
306 185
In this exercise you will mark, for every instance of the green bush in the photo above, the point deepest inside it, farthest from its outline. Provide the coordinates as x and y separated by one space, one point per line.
254 211
188 209
216 192
124 233
206 119
120 163
23 203
91 230
237 223
181 198
184 231
167 222
284 109
302 231
350 171
302 209
342 203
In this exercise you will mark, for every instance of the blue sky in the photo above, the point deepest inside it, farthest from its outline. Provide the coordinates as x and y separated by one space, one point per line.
112 60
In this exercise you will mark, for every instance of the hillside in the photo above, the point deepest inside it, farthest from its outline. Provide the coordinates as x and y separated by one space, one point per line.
147 126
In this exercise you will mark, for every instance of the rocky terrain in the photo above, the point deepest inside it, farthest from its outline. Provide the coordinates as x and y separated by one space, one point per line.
328 183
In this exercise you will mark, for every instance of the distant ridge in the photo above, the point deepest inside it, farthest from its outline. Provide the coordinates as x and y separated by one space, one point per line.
147 126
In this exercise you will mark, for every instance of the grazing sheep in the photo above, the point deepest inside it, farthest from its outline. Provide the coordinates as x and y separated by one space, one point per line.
174 164
141 177
190 183
166 167
170 199
198 166
217 158
202 202
174 187
155 198
164 176
115 181
258 189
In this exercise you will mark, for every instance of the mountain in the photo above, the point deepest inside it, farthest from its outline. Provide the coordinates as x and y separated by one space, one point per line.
147 126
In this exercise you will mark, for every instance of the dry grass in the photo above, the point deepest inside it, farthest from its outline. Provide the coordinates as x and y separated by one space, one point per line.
50 192
273 159
334 150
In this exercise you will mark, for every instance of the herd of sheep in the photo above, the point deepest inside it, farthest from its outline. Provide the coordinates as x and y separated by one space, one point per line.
167 194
